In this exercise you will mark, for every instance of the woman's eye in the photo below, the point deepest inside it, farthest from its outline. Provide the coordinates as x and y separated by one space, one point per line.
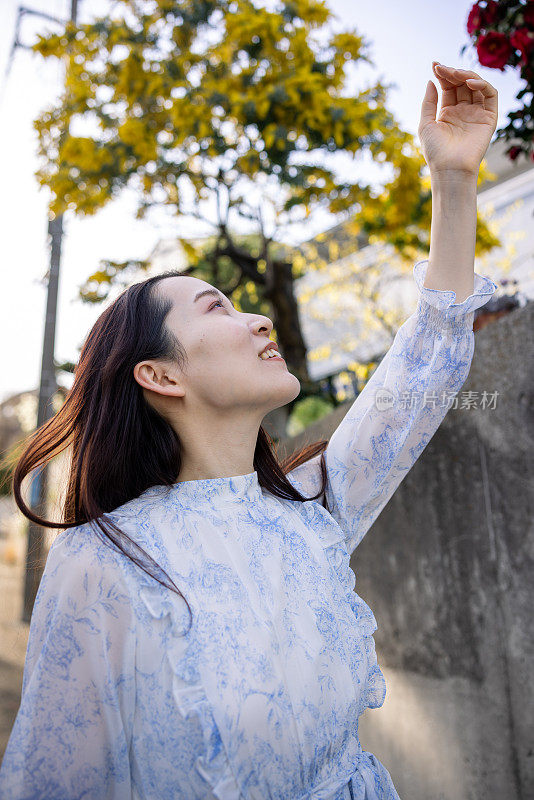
215 303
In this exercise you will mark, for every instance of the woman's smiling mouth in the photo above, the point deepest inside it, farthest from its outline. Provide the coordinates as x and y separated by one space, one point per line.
270 355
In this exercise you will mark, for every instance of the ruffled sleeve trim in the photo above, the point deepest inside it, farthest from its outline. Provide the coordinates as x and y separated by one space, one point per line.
444 299
182 653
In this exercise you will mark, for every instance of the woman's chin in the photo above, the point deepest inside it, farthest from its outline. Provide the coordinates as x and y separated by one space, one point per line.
295 388
283 392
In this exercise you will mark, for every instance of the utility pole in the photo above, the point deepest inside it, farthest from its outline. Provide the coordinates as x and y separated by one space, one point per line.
47 384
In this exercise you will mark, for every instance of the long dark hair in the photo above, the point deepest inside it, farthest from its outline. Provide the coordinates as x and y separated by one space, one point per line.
120 445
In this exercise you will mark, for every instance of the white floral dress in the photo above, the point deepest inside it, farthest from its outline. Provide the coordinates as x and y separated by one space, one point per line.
261 699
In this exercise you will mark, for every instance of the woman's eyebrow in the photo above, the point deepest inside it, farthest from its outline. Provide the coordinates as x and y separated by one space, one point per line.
214 292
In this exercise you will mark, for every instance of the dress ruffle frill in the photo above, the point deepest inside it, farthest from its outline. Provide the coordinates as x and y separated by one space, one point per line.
373 692
187 689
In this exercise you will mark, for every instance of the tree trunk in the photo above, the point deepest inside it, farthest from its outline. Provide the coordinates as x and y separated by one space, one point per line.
280 292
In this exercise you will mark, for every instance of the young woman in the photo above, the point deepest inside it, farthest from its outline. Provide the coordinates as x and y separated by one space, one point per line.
196 634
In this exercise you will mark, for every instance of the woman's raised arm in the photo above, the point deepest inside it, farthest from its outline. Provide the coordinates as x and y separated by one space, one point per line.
401 406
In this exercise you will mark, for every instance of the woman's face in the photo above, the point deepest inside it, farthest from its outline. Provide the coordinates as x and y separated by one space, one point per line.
223 369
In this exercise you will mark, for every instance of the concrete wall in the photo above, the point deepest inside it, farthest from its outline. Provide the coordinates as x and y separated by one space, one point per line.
448 569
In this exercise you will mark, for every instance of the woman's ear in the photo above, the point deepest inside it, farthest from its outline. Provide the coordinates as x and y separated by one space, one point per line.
159 378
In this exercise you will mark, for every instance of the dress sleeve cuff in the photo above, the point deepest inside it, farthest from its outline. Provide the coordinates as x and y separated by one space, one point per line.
443 299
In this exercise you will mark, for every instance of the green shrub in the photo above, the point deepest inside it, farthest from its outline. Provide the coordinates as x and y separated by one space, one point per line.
305 412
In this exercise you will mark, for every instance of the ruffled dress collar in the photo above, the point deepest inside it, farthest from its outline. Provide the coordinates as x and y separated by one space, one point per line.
235 488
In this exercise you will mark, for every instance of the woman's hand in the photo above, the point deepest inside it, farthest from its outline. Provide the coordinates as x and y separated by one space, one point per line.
457 140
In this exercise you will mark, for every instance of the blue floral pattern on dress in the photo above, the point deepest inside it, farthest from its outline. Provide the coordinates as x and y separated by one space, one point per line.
260 698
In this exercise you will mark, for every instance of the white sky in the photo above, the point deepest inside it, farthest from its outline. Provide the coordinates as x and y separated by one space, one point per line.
405 38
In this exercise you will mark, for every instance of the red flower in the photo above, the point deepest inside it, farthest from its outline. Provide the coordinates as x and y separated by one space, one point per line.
474 20
523 39
494 50
491 14
483 17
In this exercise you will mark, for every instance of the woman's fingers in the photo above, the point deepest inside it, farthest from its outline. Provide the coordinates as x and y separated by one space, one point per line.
443 74
489 92
456 84
454 90
463 82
